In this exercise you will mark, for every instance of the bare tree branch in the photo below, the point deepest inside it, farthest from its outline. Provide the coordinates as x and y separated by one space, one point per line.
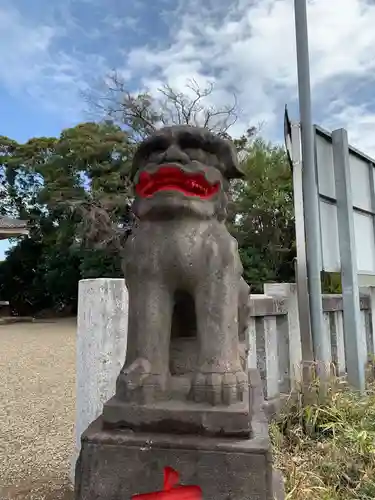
143 113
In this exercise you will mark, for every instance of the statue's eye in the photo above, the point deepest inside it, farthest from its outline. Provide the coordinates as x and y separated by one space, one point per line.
155 156
154 146
204 157
196 154
190 141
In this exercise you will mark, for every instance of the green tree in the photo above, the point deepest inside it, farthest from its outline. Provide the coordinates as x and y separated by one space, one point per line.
18 274
66 187
87 177
261 215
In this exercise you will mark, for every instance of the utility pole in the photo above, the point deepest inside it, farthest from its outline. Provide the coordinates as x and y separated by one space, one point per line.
310 192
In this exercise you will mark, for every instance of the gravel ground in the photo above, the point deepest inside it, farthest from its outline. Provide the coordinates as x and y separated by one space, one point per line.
37 404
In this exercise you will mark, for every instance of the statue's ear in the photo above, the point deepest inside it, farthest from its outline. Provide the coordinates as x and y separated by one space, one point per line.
133 171
137 158
235 173
229 159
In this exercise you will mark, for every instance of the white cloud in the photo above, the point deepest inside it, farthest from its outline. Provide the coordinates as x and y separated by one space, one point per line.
246 47
359 121
18 45
35 67
249 47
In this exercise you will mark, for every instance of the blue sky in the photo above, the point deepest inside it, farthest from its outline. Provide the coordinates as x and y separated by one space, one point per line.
51 52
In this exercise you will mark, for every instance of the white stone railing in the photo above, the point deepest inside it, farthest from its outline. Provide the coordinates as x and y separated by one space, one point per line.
287 350
267 342
273 340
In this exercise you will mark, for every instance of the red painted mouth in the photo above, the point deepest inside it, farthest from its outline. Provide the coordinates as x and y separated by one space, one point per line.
170 178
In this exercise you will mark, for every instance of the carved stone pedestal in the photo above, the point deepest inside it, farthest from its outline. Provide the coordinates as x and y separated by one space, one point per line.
180 417
115 464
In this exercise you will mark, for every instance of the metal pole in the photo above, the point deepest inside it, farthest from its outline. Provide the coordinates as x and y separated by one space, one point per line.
301 267
310 190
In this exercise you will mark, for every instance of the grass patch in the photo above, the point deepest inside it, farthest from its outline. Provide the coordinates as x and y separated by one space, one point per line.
326 451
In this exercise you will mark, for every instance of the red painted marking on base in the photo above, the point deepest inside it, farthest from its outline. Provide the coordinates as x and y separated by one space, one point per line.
171 489
171 478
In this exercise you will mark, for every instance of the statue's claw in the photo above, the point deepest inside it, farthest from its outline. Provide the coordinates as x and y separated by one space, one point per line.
219 388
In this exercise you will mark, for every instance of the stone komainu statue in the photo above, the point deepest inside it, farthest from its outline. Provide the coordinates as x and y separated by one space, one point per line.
197 410
181 257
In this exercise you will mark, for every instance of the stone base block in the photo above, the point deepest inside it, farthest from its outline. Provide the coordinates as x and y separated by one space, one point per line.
116 464
179 417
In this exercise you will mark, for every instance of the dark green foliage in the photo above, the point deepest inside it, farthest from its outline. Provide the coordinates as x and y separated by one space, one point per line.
331 282
262 216
19 274
71 189
100 264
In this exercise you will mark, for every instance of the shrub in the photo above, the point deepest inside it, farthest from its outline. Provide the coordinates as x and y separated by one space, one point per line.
327 451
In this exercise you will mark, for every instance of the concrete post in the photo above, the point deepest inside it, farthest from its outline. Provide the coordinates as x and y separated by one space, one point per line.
289 292
364 336
271 358
338 344
283 349
267 355
252 344
326 333
355 362
369 321
372 310
102 328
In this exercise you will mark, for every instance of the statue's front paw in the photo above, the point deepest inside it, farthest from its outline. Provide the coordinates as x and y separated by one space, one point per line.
137 384
219 388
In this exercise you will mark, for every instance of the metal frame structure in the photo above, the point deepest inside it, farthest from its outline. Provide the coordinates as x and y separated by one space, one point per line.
330 253
334 173
309 192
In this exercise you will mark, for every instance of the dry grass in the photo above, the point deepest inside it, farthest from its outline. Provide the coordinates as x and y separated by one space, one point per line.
37 394
327 451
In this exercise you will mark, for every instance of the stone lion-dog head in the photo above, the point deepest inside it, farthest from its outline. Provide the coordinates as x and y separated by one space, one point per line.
183 170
